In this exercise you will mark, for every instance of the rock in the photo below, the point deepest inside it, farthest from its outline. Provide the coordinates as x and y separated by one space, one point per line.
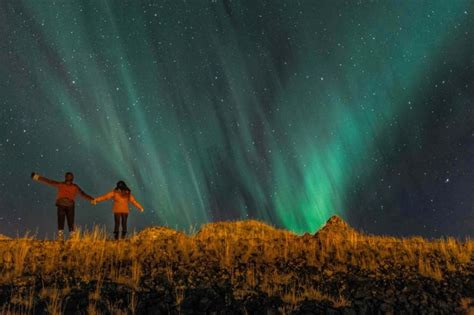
349 311
402 298
204 304
335 228
328 273
231 268
248 229
386 308
331 311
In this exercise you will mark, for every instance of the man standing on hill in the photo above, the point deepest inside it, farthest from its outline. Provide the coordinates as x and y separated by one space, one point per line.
65 200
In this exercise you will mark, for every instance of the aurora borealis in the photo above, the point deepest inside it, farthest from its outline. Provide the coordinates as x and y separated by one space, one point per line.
282 111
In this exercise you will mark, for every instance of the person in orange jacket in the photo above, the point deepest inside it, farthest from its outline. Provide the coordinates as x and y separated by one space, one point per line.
122 196
65 199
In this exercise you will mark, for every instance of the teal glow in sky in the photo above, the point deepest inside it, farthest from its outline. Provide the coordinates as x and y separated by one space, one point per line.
284 111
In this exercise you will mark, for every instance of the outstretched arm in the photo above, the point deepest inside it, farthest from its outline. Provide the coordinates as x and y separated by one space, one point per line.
45 180
107 196
135 203
84 195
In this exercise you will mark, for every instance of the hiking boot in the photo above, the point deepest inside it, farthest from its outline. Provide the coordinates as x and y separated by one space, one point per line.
60 236
116 236
124 234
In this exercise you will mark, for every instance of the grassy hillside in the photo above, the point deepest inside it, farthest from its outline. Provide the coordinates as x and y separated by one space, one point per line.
243 267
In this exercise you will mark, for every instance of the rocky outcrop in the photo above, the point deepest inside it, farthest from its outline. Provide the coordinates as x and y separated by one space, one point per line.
242 229
337 229
242 267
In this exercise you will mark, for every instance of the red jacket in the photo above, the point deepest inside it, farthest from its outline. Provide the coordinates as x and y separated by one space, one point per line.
65 190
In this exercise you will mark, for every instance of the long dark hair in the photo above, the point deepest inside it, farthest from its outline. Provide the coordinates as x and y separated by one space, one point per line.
122 188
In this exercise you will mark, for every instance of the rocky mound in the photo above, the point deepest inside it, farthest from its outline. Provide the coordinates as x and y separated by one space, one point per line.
243 267
241 229
337 229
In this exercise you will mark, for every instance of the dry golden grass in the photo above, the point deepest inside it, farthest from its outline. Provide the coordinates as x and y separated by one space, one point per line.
249 255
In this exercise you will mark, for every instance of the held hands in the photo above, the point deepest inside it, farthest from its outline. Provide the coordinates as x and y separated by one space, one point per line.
94 202
35 176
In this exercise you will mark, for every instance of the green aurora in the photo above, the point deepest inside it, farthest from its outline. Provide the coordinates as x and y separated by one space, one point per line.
217 110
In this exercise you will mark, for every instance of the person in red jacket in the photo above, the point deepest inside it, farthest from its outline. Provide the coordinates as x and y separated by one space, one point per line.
122 196
65 199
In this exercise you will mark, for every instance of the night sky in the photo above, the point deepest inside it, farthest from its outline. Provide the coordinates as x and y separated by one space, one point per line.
282 111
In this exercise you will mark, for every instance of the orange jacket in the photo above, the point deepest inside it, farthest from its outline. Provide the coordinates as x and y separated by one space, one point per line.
120 201
65 190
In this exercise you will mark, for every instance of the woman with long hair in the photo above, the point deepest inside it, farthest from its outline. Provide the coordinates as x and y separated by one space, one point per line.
121 196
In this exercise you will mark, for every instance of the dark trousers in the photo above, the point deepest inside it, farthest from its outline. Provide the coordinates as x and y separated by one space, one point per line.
120 217
66 213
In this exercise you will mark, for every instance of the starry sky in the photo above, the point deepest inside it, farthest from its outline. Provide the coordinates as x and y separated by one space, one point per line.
282 111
